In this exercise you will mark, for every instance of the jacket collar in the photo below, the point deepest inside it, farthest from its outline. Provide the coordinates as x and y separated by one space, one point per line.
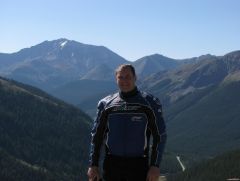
129 94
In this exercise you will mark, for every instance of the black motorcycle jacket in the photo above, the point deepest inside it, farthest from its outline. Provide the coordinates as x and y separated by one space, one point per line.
125 123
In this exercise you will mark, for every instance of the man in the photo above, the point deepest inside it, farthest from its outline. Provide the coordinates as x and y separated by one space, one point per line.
124 123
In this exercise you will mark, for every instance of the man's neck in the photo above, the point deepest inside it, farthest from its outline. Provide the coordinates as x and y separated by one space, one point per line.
129 93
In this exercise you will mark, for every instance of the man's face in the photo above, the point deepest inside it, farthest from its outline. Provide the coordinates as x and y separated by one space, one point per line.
125 80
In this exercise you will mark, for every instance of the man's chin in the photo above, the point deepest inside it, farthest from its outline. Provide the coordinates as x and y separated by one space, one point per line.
125 90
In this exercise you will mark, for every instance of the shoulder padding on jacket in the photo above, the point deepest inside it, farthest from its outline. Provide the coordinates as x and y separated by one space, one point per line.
150 98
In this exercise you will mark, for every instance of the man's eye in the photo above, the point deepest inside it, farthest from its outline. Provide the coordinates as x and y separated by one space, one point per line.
124 77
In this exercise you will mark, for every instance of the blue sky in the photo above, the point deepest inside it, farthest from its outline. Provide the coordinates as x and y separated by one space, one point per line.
130 28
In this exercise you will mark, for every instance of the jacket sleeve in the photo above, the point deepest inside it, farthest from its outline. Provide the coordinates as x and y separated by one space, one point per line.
157 109
97 135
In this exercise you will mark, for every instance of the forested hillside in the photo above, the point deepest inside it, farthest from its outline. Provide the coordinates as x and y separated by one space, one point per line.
43 131
13 169
223 167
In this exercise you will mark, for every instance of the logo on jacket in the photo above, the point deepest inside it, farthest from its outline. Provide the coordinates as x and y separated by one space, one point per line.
125 107
136 118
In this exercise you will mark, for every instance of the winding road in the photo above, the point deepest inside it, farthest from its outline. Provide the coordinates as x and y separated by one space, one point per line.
180 162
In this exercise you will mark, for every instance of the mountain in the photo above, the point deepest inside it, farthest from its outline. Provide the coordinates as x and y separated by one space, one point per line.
206 122
83 90
154 63
40 131
222 167
148 65
53 63
101 72
14 169
197 59
201 103
188 78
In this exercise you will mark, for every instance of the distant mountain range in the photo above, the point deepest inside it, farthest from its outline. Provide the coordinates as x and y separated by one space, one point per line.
53 63
187 78
202 104
154 63
82 90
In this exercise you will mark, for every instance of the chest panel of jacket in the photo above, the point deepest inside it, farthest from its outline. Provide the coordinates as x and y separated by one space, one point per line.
127 133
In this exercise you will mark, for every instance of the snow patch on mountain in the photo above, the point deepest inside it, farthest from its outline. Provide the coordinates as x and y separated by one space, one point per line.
63 44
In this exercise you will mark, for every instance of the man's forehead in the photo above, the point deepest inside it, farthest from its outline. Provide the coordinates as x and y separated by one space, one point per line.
125 70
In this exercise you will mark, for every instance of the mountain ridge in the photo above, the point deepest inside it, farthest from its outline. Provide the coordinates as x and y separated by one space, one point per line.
154 63
53 63
43 131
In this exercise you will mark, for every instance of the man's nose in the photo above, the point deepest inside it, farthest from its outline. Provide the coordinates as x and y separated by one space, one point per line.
125 78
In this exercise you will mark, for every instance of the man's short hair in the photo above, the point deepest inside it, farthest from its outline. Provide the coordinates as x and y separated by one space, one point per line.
123 66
